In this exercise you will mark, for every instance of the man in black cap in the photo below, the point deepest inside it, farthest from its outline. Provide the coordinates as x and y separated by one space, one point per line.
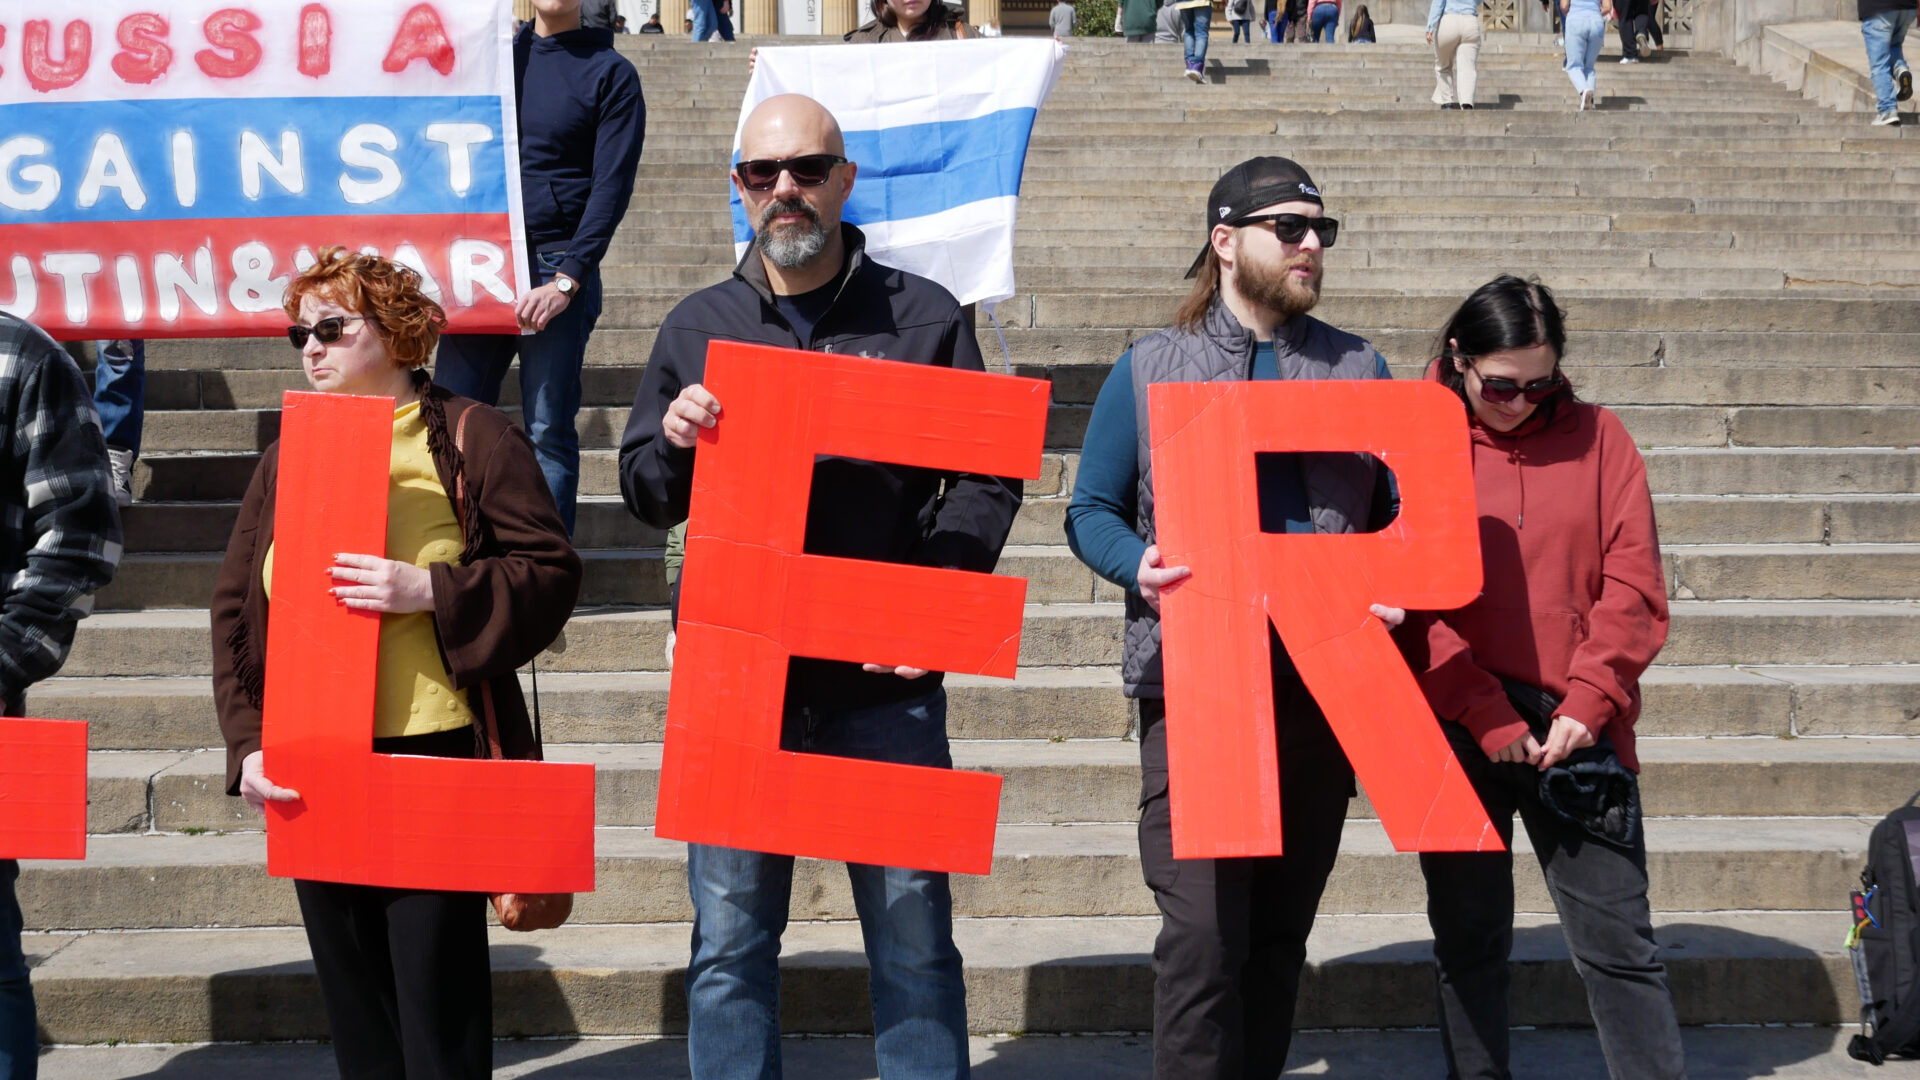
1233 932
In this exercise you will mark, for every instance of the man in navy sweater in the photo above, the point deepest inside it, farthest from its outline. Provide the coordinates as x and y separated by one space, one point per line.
582 120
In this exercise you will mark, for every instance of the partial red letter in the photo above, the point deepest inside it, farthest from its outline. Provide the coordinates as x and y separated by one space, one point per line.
43 74
230 29
366 818
750 600
43 789
316 41
145 55
420 35
1222 762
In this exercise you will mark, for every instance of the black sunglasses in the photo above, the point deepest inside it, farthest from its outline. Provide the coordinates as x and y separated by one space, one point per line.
327 330
809 170
1292 228
1501 391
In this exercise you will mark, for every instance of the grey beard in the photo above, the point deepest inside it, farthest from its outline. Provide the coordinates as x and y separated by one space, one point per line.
795 245
792 246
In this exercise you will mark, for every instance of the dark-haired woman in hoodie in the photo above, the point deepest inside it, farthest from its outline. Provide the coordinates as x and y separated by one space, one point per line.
1572 611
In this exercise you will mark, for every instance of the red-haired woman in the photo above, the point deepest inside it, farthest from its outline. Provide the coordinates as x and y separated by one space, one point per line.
476 578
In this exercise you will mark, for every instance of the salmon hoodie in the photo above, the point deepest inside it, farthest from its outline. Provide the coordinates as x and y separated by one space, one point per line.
1573 600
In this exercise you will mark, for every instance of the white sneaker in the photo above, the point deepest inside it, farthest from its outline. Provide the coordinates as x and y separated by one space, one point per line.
1195 76
120 467
1629 60
1559 43
1887 119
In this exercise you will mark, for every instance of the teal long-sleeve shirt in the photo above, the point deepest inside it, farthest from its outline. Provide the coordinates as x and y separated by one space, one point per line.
1105 504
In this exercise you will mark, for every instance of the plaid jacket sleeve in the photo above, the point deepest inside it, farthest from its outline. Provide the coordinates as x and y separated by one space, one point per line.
62 527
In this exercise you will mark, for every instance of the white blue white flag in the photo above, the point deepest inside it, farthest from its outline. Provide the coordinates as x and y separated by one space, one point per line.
939 130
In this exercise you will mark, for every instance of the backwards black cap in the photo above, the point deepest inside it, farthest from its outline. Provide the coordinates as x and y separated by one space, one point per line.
1249 186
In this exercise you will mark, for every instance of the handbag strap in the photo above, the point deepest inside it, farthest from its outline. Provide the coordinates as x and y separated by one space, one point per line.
489 717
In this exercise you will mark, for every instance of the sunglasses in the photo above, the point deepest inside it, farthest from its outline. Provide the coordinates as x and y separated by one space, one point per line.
808 170
1501 391
327 331
1292 228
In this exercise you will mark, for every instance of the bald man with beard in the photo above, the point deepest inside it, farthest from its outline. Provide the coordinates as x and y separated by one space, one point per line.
807 283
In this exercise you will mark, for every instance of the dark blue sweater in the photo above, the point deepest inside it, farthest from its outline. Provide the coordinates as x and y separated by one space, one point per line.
1104 509
582 120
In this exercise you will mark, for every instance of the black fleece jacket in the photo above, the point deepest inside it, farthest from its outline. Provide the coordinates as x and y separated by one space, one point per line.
859 509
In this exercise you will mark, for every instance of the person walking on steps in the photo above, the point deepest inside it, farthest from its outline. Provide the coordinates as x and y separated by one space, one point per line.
1884 25
1240 16
1586 28
1195 22
1324 22
1537 686
1453 29
1360 30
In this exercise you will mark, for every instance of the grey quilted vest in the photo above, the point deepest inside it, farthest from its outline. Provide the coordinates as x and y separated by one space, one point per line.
1339 486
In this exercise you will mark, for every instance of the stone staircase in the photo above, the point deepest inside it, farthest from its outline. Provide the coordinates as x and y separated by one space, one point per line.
1740 267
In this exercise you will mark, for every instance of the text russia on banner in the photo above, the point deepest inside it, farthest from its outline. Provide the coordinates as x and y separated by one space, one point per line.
167 165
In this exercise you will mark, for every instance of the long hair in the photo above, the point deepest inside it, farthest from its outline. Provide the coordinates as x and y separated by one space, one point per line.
1192 312
1506 313
938 15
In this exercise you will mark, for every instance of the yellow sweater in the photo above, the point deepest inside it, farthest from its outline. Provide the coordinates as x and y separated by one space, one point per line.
413 693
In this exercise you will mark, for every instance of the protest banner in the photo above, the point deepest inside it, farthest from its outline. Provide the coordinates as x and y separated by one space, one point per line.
381 819
43 789
1222 761
167 165
939 132
750 600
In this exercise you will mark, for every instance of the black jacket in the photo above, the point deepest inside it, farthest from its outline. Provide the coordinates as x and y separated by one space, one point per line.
859 509
1869 8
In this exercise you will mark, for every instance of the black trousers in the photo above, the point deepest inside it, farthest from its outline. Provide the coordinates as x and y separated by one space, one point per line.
1600 892
1636 17
404 972
1233 932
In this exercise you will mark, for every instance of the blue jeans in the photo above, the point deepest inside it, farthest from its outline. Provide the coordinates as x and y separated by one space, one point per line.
19 1023
1884 33
1195 25
1586 32
120 391
1325 20
740 903
705 19
473 365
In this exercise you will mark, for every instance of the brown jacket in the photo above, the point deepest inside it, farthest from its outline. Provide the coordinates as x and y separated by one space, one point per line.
514 589
875 32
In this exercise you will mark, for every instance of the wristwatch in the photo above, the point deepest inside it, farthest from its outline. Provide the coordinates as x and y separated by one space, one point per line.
565 284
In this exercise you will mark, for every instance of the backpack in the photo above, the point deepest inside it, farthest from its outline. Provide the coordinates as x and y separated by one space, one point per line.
1885 940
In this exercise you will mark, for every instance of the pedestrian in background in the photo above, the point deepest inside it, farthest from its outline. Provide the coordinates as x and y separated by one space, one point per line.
1586 28
1637 23
1138 20
1324 21
1060 18
1240 16
61 544
1884 25
1196 23
1453 29
911 20
582 122
120 399
1360 30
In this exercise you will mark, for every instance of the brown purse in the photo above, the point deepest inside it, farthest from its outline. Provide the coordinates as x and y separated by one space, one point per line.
516 911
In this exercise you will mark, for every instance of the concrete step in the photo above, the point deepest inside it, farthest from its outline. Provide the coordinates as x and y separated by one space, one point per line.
1794 572
1098 780
1713 1053
1678 471
176 643
1022 975
1040 871
176 713
626 577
